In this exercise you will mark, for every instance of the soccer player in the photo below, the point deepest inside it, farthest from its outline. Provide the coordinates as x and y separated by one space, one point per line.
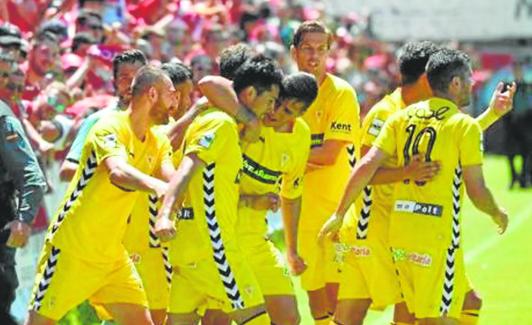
425 235
209 268
85 239
334 124
273 171
125 66
368 276
150 260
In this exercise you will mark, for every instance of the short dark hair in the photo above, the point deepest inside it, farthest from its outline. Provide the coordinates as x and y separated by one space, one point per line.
444 65
84 14
259 72
129 56
232 58
300 86
177 71
46 36
55 27
310 26
146 77
81 38
413 58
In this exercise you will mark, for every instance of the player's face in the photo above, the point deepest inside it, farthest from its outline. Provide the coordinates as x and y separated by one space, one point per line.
124 76
44 56
264 102
286 112
185 90
464 98
167 100
311 54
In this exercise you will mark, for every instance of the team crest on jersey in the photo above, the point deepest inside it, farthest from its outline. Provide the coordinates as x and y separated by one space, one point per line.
376 126
206 141
110 141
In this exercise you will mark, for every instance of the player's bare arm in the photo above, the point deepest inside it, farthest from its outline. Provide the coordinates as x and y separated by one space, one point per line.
325 155
481 196
178 129
417 170
291 209
219 91
190 165
359 179
126 176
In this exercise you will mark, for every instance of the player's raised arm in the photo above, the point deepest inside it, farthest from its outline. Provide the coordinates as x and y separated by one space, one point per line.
500 104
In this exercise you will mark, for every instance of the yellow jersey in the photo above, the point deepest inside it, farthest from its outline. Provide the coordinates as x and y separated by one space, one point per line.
207 219
334 115
274 164
374 205
428 214
93 216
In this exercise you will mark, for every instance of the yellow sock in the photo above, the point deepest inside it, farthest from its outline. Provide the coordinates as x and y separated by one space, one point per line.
259 319
325 320
469 317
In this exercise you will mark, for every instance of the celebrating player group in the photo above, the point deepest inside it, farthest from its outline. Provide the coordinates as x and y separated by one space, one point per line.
164 220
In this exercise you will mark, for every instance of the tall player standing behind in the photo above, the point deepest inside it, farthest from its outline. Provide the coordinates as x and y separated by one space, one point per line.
425 233
334 124
210 270
85 239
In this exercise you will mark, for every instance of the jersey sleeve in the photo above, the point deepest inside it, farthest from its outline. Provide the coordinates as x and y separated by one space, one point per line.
106 141
292 184
74 154
343 120
470 145
372 124
387 138
209 141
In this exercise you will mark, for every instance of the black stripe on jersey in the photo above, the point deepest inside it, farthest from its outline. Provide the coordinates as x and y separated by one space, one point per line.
86 174
47 274
316 140
215 234
122 188
260 173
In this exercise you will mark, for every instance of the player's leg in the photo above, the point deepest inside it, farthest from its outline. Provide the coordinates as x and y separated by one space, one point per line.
331 288
215 317
183 319
282 309
471 308
36 319
255 315
351 311
401 315
129 314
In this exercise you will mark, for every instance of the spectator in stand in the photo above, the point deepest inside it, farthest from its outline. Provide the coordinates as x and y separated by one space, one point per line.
41 61
11 42
81 43
90 22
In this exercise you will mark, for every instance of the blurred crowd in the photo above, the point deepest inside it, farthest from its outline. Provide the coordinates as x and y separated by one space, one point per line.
56 55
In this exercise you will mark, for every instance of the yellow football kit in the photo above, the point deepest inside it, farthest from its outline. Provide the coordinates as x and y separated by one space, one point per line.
367 267
425 218
84 256
209 269
334 115
274 164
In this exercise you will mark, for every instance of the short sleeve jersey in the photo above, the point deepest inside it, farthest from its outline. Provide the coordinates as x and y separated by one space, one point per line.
423 214
92 218
334 115
211 200
274 164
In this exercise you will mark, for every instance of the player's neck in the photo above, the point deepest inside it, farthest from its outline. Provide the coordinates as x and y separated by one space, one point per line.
285 128
446 96
413 93
140 121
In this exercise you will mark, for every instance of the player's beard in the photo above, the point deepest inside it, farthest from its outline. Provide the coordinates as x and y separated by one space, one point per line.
159 113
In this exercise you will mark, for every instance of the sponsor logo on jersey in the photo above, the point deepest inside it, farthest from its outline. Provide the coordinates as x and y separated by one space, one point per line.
260 173
316 140
376 127
341 127
427 209
206 140
110 141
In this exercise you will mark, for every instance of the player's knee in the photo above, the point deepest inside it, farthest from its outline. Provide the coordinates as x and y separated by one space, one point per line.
285 317
472 301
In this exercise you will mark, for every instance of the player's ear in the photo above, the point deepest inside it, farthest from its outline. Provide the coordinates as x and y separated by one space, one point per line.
249 93
293 52
153 94
455 85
